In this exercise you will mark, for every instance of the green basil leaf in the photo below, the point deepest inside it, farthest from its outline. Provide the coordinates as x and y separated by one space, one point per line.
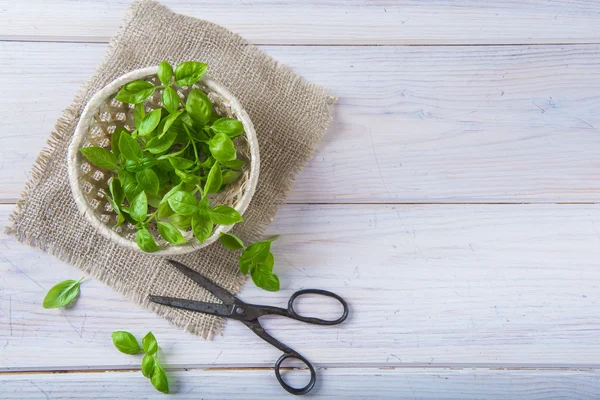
125 342
224 215
165 72
173 190
265 279
159 379
222 148
116 190
147 180
214 181
139 207
148 365
153 199
135 92
202 226
183 203
170 99
136 86
169 120
269 262
150 122
130 186
145 240
117 209
234 164
230 176
164 210
114 140
100 156
129 147
170 233
61 294
161 144
228 126
182 222
149 343
188 178
181 163
189 72
230 241
198 106
254 254
139 113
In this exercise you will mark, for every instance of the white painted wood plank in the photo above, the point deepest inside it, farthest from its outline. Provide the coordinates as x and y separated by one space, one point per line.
437 284
334 383
413 124
326 22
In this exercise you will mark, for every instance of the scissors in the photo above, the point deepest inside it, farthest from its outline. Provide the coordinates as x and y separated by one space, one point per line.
248 314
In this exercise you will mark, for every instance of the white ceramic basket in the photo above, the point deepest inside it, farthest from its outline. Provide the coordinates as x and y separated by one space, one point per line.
97 123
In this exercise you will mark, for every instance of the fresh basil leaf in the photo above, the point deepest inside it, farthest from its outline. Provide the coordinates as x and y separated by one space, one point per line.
269 262
114 140
164 210
170 99
202 226
165 166
198 106
100 156
153 199
228 126
61 294
125 342
165 72
174 189
181 163
159 379
230 241
159 144
169 120
149 343
145 240
254 254
148 365
214 180
189 72
188 178
129 147
182 222
147 180
234 164
170 233
230 176
116 190
135 92
183 203
133 165
222 148
265 279
139 207
150 122
139 113
136 86
117 209
224 215
130 186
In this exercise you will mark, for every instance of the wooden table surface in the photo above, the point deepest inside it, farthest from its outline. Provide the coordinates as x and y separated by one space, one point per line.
453 203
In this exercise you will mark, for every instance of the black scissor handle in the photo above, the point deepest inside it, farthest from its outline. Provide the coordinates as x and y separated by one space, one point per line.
312 320
290 389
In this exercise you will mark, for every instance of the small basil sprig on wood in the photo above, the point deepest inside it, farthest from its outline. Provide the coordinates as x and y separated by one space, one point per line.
256 259
62 294
126 343
177 154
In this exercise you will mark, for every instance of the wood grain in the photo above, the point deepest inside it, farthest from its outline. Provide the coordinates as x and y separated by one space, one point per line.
413 124
336 383
482 285
353 22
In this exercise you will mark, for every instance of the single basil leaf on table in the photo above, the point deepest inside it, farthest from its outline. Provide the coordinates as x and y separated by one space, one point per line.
171 99
145 240
170 233
228 126
61 294
230 176
182 222
202 225
234 164
254 254
224 215
189 72
129 147
135 92
159 379
116 190
147 180
148 365
158 144
149 343
165 72
198 106
183 203
125 342
139 113
139 207
230 241
150 122
222 148
214 181
100 156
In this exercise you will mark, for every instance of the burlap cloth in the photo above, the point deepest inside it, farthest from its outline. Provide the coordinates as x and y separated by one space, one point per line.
290 117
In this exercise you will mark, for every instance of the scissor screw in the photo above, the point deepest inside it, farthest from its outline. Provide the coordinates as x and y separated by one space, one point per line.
239 310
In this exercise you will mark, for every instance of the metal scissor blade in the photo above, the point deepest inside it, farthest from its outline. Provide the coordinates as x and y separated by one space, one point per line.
220 310
206 283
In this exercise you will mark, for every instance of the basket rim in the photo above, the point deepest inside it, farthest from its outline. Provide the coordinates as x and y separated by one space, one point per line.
74 159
